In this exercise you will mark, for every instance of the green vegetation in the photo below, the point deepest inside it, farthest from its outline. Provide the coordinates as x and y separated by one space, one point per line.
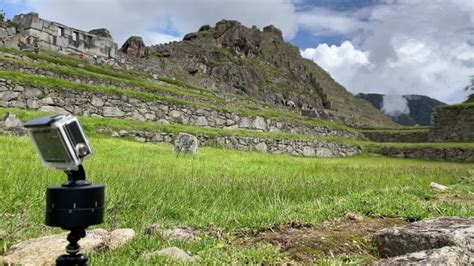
250 191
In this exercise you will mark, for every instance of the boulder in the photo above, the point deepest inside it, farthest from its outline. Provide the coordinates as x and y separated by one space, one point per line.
186 143
102 32
180 233
425 240
44 250
134 46
12 121
440 256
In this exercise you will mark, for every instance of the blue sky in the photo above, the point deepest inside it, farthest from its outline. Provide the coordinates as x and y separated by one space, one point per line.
387 46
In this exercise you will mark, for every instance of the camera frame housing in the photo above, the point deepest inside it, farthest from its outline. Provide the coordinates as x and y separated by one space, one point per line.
60 141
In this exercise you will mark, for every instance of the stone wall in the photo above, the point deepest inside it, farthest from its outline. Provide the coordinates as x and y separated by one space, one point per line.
119 106
429 153
452 124
58 37
7 36
276 146
410 137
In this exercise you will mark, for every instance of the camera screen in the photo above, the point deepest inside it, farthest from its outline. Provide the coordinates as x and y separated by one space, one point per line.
51 145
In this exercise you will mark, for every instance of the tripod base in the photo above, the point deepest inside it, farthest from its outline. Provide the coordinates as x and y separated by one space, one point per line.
72 260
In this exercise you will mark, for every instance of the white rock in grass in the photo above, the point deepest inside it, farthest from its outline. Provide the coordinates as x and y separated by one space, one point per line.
438 187
186 143
172 252
44 250
12 121
180 233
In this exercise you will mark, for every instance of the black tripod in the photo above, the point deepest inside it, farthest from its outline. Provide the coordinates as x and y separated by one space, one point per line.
74 206
73 258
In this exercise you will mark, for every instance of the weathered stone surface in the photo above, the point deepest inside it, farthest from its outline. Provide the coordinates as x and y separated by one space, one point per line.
97 101
262 147
259 123
172 252
186 143
8 95
134 46
453 124
430 153
113 112
33 92
451 255
12 121
180 233
438 187
45 250
425 235
101 32
53 109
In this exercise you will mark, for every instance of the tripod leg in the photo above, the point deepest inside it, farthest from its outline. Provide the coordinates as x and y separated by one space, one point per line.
73 258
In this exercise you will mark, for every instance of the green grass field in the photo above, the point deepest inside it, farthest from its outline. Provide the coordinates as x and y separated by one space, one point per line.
235 191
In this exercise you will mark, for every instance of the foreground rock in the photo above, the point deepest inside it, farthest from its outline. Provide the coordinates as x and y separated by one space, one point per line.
186 143
438 187
172 252
445 240
45 250
13 125
440 256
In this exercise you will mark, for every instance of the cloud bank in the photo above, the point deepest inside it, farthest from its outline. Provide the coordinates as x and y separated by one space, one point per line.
402 47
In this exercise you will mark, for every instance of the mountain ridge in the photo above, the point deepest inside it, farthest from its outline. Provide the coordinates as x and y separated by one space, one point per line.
232 58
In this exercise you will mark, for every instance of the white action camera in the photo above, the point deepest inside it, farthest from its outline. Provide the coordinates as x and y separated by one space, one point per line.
60 141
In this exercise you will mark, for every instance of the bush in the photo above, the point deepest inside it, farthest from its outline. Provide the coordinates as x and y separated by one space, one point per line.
2 15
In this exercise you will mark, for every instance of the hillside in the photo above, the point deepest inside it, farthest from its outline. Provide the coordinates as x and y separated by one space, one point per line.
420 108
232 58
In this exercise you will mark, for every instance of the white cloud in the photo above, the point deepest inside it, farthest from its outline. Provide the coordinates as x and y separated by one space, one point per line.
153 19
406 47
395 105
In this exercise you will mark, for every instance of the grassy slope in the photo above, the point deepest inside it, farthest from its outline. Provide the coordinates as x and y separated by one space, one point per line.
147 184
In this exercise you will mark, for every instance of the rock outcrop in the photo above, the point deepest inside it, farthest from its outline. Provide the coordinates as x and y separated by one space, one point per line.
186 143
231 57
438 241
134 46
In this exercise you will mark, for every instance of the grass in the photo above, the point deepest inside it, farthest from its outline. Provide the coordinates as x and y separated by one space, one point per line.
148 184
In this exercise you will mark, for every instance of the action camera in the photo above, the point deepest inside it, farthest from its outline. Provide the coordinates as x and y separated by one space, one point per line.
59 140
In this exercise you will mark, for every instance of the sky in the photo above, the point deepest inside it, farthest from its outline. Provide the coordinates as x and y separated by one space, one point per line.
392 47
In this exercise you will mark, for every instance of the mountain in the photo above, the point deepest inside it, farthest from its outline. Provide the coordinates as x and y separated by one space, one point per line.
418 108
232 58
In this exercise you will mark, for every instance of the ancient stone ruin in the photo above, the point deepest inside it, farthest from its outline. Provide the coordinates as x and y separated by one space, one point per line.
33 32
